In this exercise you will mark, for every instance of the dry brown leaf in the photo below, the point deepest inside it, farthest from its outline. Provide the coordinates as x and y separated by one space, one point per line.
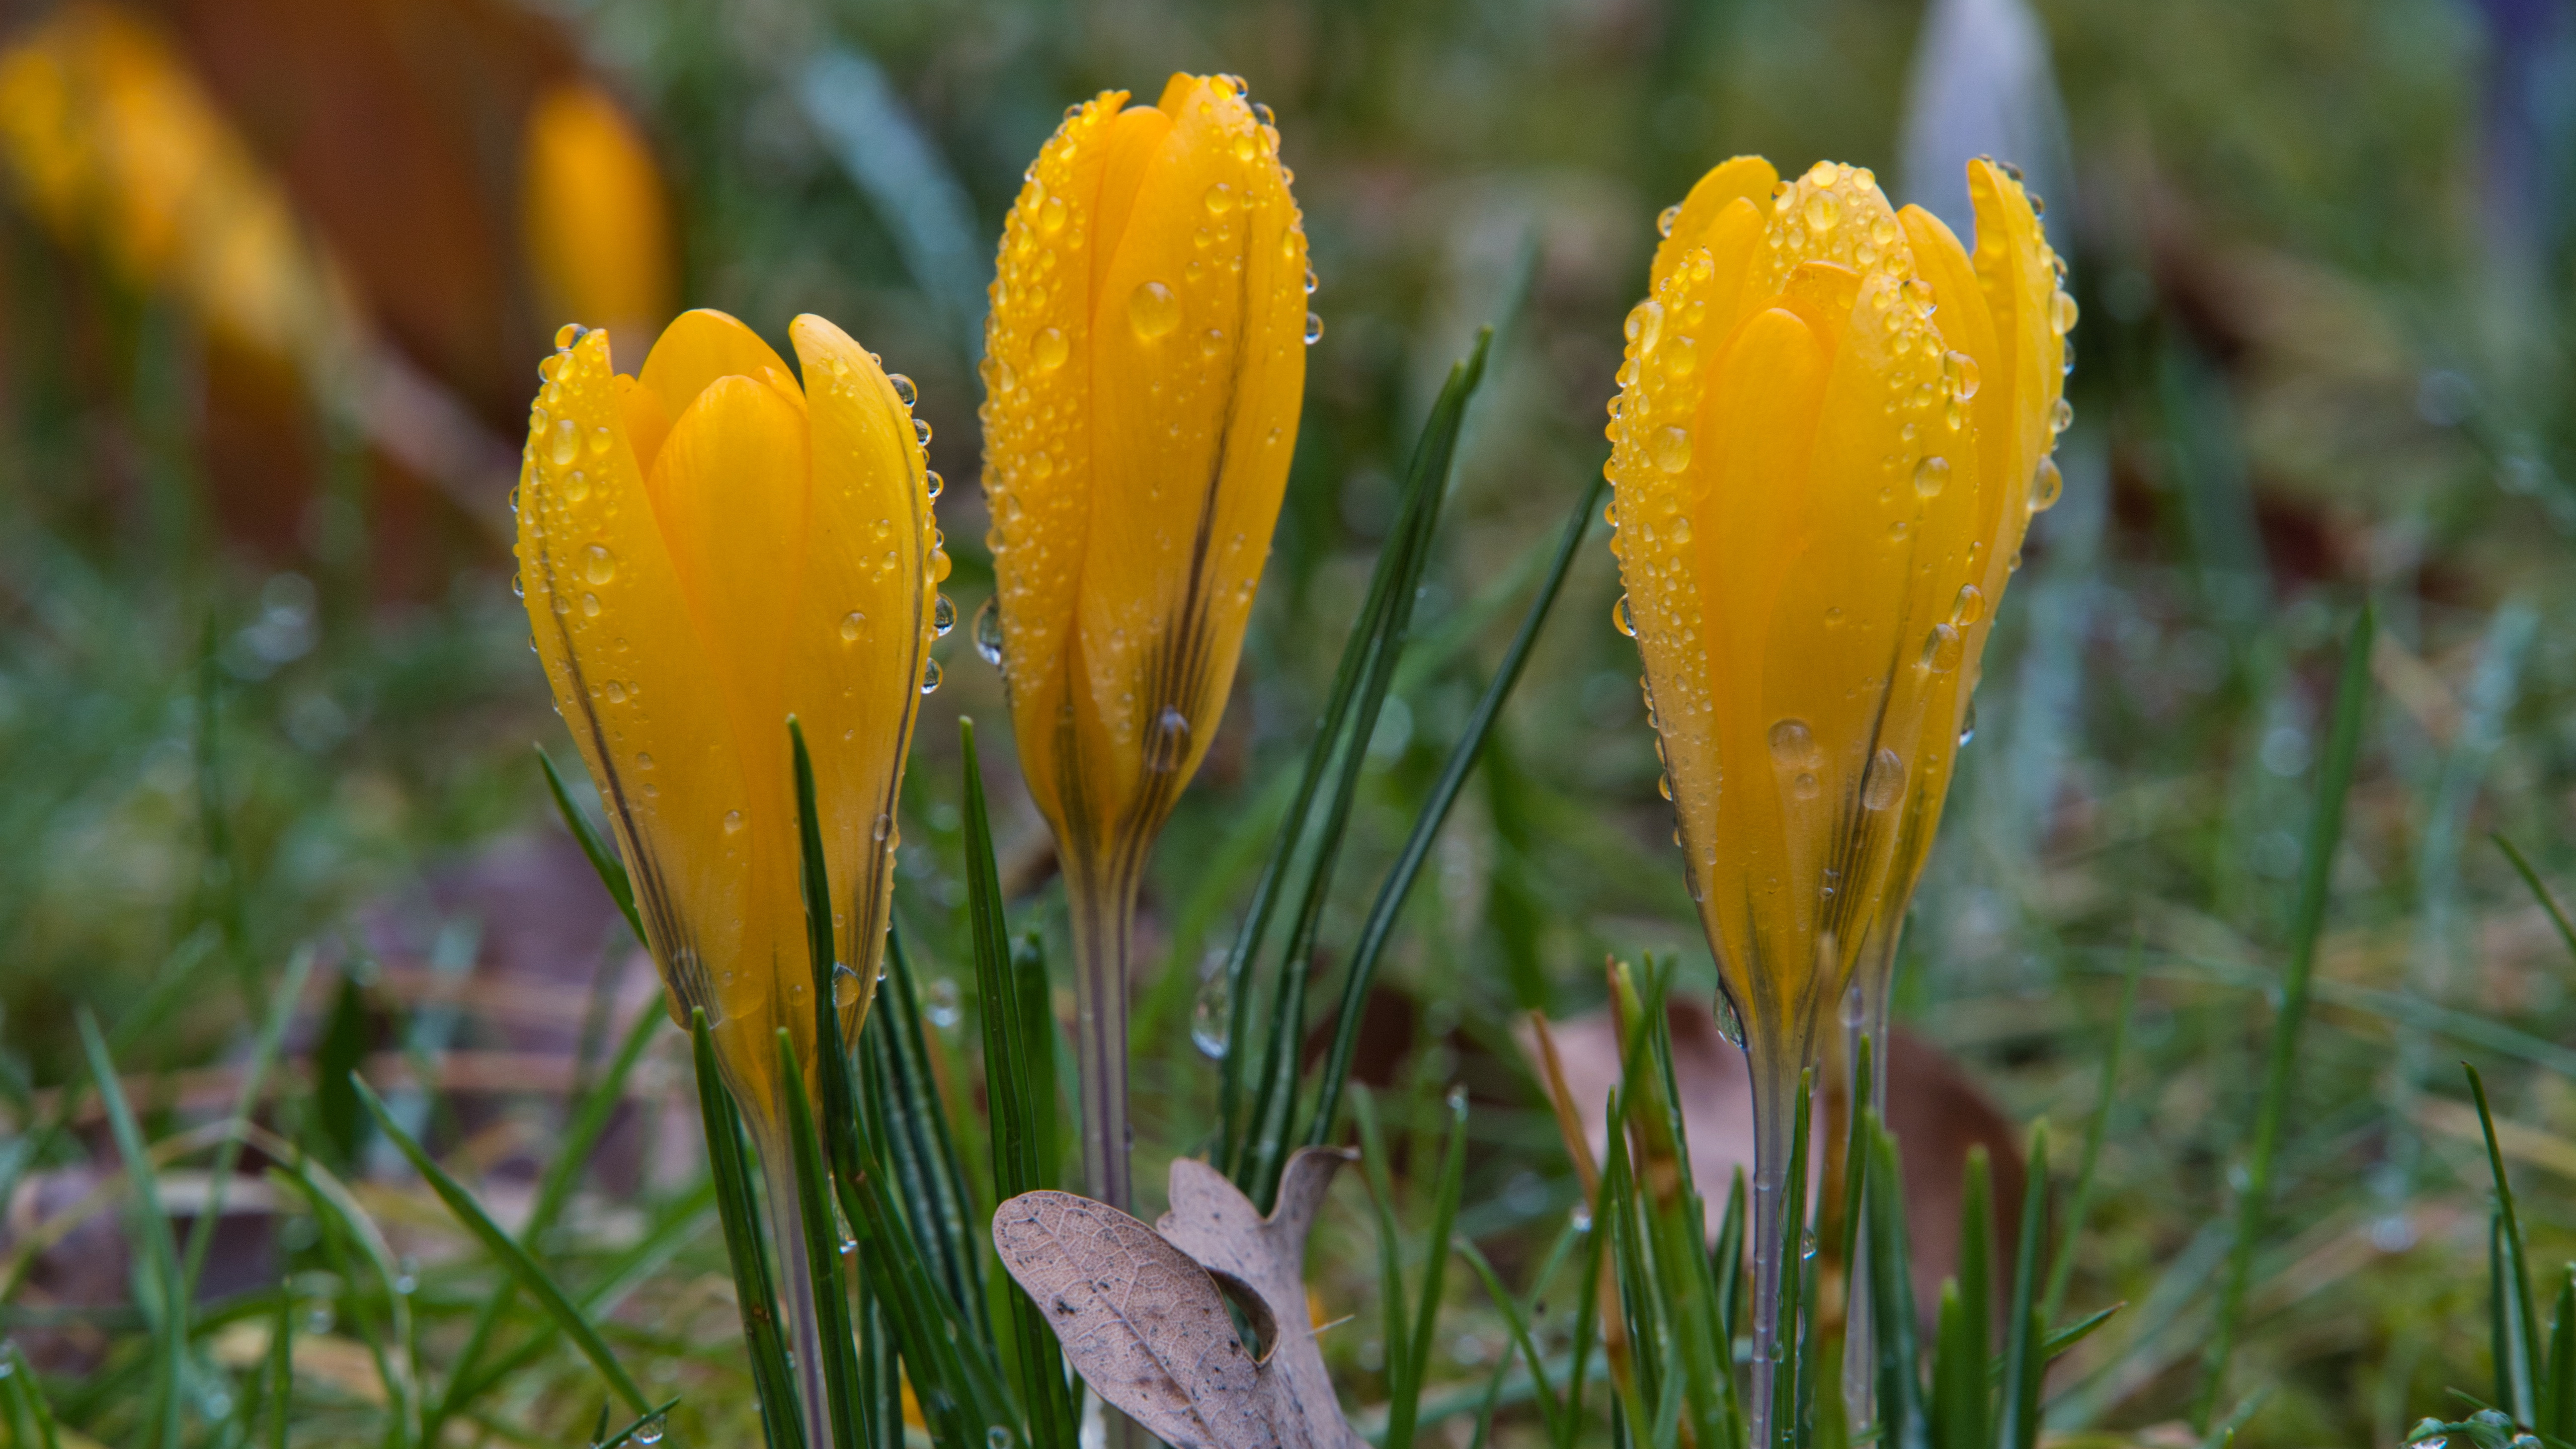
1143 1317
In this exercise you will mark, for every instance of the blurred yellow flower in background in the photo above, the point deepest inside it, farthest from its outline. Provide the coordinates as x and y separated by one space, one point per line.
596 220
1144 366
707 548
1831 431
118 149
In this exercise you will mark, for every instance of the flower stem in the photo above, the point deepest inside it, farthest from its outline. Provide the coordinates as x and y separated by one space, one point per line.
1104 921
795 1281
1776 1155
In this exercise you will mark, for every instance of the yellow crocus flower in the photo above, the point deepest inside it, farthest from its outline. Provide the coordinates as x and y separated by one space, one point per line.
597 222
1144 364
1832 428
707 548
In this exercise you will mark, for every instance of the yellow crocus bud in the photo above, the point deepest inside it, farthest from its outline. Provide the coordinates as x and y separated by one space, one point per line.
1144 363
1831 431
597 223
707 548
117 148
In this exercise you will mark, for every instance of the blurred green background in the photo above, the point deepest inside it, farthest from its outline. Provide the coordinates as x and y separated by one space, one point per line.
263 684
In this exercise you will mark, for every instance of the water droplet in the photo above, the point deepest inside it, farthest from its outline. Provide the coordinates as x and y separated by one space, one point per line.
904 391
1153 311
2047 485
1645 325
851 623
601 440
1730 1024
932 485
1882 231
1854 1009
1212 1015
1664 785
1823 211
518 586
566 444
650 1431
1311 283
733 822
943 616
1051 215
988 630
615 690
1168 742
1969 606
921 431
1962 370
1886 781
997 1437
598 564
2061 314
2061 417
1667 218
1219 199
1623 618
1047 349
590 606
1314 329
1672 449
940 1004
1941 649
1580 1219
845 986
1931 475
1793 745
568 334
576 486
1968 723
319 1317
929 675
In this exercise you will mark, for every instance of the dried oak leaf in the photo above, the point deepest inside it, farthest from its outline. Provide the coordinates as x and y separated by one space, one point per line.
1142 1315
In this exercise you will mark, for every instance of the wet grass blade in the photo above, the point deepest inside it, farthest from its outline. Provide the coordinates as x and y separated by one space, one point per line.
1787 1388
201 1236
603 857
782 1425
2325 832
1403 1408
1587 1316
2517 1334
169 1315
1261 1150
31 1419
627 1435
1966 1329
1396 1330
2539 892
915 1145
502 1246
1019 1082
2024 1363
1902 1423
2096 1129
1463 755
838 1344
2558 1390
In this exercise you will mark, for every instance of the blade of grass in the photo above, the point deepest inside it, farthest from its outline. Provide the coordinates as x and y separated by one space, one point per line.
341 1224
1587 1309
169 1316
1264 1152
2518 1360
502 1246
1517 1325
2062 1271
2558 1392
2539 892
1786 1374
603 857
1380 925
2325 832
201 1235
1401 1410
1019 1075
1902 1423
1390 1249
838 1344
2024 1363
1965 1334
782 1424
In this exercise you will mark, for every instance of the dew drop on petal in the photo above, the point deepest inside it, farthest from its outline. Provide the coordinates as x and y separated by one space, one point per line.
1969 607
1962 370
2061 314
1672 449
851 623
1931 475
1886 781
1314 329
943 616
988 631
598 564
929 675
904 391
732 822
2047 485
1623 618
1665 221
1793 745
1048 349
1153 310
566 444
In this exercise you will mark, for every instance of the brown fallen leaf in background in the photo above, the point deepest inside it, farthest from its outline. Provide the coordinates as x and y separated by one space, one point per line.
1936 1112
1142 1315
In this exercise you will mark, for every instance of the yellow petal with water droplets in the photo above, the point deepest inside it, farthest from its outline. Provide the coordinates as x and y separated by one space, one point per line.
1748 179
859 643
630 673
1147 355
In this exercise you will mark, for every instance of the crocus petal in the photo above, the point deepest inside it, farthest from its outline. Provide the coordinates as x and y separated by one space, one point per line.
698 347
630 671
860 640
